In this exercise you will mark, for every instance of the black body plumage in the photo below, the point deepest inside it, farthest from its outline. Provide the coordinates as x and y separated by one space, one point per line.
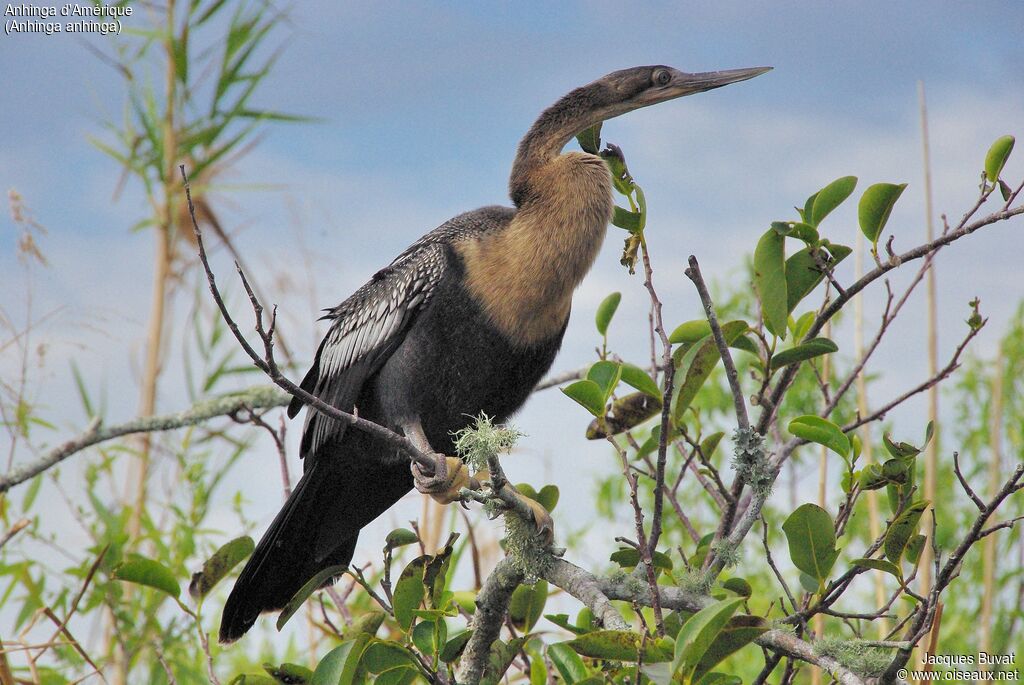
465 321
410 344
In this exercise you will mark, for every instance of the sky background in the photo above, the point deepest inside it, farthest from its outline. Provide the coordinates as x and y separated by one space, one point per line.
419 107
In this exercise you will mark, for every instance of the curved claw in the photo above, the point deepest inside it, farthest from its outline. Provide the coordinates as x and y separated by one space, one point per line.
541 518
445 484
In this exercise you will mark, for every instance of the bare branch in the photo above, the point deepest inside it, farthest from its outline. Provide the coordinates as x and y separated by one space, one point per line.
491 605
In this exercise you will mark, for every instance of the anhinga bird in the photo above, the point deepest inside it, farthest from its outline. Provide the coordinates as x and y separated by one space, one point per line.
465 321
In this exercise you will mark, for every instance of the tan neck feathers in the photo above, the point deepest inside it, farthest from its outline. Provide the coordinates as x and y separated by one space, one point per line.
524 274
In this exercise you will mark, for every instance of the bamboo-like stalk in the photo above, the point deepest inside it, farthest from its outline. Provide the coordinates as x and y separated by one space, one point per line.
989 550
931 450
867 448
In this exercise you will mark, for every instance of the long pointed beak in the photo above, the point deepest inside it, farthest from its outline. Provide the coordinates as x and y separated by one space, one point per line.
683 83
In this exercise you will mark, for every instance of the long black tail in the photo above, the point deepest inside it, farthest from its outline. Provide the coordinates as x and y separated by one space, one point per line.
317 528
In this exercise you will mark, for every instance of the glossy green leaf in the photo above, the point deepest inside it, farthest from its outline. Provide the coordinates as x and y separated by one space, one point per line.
150 573
705 358
715 678
590 139
527 605
631 221
367 624
697 635
803 273
384 655
830 197
219 565
568 663
797 229
690 332
606 375
538 670
629 557
875 207
812 541
815 347
429 636
499 658
801 325
588 394
562 621
289 673
899 532
899 450
409 592
996 158
709 444
737 634
822 431
770 281
914 548
879 565
400 537
605 312
311 586
738 585
453 648
626 413
618 645
640 379
548 497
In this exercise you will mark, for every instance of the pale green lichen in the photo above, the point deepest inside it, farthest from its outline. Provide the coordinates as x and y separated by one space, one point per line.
751 462
484 440
693 581
726 552
526 548
867 660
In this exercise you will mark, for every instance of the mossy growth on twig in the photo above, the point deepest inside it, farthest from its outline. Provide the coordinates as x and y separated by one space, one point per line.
751 462
482 441
867 660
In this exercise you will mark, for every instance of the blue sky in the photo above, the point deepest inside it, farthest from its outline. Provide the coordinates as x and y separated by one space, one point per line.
420 106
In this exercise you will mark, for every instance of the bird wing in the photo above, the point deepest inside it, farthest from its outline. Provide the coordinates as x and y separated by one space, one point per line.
367 327
370 324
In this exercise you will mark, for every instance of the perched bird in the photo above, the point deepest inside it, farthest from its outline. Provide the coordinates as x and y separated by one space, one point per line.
465 321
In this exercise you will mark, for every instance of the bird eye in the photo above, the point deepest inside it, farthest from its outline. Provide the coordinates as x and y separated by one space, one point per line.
662 77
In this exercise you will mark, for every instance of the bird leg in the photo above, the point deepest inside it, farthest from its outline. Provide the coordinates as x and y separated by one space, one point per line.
450 473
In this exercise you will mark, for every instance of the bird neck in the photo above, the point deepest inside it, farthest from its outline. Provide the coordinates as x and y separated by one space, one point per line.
524 274
557 125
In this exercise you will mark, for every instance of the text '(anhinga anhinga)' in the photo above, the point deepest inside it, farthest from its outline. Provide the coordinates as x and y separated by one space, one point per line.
465 321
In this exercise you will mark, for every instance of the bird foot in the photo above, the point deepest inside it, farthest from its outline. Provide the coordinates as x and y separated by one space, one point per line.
449 477
542 520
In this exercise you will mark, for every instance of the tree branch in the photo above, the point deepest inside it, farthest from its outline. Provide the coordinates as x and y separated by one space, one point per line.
491 605
258 397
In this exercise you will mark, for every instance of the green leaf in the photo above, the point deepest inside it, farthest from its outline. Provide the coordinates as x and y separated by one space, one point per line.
797 229
738 585
709 444
606 375
690 332
803 274
641 380
400 537
150 573
631 221
390 659
567 662
562 621
698 633
802 325
899 532
547 497
720 679
812 541
914 548
899 450
626 412
629 557
996 158
814 347
606 310
453 648
830 197
737 634
367 624
527 605
822 431
770 281
538 670
879 565
311 586
875 207
430 636
409 592
618 645
289 673
499 658
219 565
588 394
705 358
340 665
590 139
